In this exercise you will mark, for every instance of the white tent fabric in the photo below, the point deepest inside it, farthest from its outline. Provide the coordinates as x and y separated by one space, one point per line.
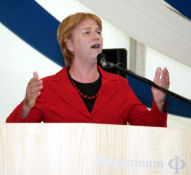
22 59
151 23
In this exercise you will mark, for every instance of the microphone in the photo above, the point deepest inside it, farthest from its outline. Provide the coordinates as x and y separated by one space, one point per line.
105 64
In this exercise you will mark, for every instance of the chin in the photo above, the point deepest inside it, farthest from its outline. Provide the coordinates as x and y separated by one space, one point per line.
93 55
98 53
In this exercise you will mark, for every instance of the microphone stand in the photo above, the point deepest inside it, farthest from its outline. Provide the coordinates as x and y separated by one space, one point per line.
147 81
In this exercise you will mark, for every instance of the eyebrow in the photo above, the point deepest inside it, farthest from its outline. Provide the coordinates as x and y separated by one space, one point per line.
87 28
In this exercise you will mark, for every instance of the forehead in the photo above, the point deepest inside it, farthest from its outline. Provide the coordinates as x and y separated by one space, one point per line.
87 23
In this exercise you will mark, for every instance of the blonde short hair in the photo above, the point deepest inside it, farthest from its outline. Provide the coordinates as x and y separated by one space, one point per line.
64 32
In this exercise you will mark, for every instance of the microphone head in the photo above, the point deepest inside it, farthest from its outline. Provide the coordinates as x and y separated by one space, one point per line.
101 56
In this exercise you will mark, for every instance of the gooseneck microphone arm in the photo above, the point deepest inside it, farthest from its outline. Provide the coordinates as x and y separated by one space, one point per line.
107 65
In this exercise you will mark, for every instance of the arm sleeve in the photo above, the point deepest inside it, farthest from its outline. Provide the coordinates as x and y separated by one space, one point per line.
34 116
140 115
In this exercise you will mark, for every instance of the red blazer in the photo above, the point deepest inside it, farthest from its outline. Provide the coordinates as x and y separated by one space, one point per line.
116 103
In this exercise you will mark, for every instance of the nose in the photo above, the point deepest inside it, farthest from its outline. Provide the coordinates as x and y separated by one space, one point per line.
96 35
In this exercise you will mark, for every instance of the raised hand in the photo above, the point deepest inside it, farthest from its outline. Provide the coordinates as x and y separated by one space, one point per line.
33 90
161 79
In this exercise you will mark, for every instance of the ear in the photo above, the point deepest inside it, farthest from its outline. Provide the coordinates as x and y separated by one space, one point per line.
70 45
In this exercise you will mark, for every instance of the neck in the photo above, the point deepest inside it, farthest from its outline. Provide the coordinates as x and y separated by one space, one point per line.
84 73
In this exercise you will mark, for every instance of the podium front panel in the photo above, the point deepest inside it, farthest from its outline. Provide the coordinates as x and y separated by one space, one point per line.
93 149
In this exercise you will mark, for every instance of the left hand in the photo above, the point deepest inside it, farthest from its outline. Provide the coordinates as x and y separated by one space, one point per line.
161 79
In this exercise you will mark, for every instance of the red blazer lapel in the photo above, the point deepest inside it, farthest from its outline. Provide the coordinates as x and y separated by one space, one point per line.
106 92
65 90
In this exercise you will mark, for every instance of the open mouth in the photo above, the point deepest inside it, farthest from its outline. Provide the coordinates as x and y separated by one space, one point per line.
95 46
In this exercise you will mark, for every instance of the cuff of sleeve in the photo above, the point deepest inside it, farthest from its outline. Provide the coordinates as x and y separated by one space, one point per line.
160 118
15 116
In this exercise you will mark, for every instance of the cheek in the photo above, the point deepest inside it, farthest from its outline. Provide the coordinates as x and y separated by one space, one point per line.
80 48
84 45
101 42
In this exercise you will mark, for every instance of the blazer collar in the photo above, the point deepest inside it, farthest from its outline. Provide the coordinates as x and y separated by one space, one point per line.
64 88
62 75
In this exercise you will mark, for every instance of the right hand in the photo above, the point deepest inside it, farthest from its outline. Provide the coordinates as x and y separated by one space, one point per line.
33 90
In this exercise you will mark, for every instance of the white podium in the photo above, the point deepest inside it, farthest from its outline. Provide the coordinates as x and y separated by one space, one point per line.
93 149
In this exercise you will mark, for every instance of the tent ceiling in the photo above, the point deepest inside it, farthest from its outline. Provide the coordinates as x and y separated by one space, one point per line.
150 22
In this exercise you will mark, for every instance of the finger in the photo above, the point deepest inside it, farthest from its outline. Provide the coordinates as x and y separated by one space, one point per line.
33 90
35 95
32 101
165 78
165 83
35 78
157 75
35 75
35 83
30 96
165 72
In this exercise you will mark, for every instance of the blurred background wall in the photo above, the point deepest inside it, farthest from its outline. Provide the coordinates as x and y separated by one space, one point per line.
18 60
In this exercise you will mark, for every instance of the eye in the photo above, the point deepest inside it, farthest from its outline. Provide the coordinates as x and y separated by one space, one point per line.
87 32
99 32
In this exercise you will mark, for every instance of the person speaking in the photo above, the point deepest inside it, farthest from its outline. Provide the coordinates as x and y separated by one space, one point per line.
82 92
